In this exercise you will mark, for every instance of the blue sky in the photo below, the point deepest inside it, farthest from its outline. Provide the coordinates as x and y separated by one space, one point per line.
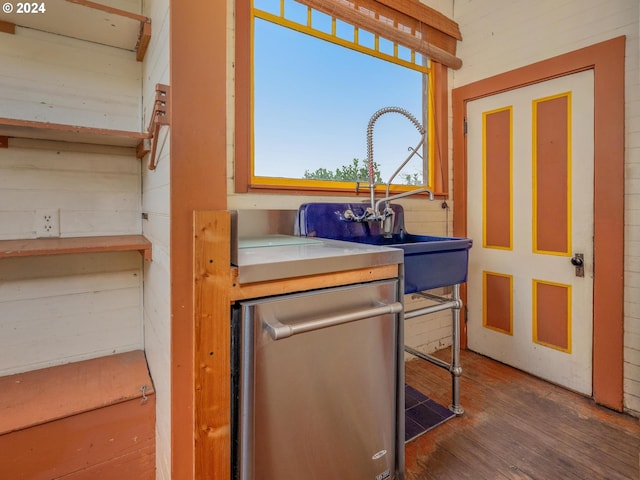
313 101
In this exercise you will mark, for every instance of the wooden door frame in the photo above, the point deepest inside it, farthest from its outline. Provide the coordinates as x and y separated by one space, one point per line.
606 59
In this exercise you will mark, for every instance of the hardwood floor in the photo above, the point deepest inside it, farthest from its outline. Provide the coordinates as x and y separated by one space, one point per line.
516 426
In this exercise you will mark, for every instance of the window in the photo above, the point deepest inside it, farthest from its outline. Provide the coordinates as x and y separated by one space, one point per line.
317 81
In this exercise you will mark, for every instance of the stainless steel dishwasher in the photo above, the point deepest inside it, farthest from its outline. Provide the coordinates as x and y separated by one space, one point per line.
319 393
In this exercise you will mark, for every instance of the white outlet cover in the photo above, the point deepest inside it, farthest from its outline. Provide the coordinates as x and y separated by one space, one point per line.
47 222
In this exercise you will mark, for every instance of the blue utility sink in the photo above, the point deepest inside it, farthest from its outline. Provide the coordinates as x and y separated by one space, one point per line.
429 261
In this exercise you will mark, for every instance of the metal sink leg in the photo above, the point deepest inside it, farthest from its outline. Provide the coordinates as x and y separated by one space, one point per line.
455 304
456 368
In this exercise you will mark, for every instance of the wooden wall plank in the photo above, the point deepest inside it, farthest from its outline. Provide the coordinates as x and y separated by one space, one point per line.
156 203
139 463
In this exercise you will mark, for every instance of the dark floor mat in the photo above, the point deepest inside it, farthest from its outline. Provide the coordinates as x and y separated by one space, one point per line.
421 413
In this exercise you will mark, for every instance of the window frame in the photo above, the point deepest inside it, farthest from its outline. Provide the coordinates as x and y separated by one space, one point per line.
439 171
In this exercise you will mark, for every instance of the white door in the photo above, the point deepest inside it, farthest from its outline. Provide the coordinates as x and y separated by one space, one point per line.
530 213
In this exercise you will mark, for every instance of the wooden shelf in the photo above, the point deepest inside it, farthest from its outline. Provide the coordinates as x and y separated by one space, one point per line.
11 127
86 20
60 246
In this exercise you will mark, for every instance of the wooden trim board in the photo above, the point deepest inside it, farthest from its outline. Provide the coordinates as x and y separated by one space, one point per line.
212 334
198 182
301 284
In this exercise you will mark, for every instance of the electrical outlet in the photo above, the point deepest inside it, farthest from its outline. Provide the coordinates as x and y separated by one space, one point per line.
48 223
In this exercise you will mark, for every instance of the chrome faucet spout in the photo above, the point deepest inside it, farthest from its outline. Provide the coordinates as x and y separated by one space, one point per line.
388 199
373 213
371 165
387 217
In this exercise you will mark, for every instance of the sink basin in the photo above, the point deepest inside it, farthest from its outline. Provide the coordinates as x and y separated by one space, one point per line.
429 261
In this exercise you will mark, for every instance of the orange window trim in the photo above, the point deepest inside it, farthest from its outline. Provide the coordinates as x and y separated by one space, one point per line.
243 127
398 27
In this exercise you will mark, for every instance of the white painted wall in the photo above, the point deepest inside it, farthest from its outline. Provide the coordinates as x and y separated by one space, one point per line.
96 189
55 310
499 36
155 203
52 78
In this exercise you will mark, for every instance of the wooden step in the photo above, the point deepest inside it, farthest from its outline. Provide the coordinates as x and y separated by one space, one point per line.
88 419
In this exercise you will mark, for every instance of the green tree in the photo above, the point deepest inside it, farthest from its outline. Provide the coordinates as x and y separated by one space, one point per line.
412 178
354 172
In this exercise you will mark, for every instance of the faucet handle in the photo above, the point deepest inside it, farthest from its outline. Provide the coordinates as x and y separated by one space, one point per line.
388 221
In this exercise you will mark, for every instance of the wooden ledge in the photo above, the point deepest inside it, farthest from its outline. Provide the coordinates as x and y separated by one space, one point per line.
39 396
13 127
87 20
61 246
311 282
7 27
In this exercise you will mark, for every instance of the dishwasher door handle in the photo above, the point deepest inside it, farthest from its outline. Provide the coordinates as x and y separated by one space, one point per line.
279 330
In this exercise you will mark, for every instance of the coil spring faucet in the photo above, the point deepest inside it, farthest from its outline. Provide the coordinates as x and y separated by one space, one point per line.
372 213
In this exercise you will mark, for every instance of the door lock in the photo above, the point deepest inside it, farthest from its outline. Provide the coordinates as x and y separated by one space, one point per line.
578 261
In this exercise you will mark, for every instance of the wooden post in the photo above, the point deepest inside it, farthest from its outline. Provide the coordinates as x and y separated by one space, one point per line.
212 344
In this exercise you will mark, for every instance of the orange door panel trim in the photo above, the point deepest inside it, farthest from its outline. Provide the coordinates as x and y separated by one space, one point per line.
497 181
552 175
552 315
497 302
